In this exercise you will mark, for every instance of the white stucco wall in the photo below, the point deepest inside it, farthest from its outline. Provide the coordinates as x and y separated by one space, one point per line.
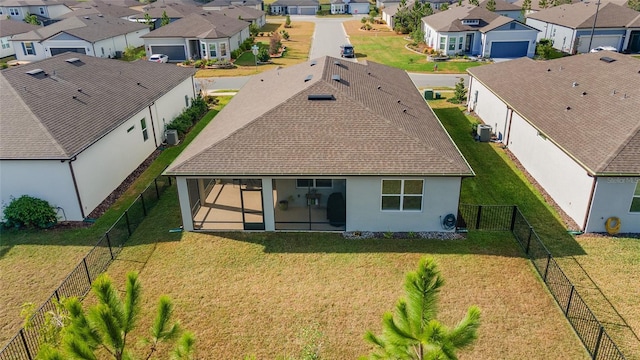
20 55
441 195
54 11
102 167
49 180
613 197
562 37
165 109
488 107
565 181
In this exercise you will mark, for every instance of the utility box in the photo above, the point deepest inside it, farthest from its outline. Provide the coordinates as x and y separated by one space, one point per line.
172 137
438 96
484 132
428 94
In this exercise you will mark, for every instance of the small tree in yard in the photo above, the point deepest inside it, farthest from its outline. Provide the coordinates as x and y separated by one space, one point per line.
544 48
263 55
104 328
460 93
32 19
275 44
165 20
491 5
254 30
412 332
287 22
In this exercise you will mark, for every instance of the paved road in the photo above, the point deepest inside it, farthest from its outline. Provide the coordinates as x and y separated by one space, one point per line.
329 34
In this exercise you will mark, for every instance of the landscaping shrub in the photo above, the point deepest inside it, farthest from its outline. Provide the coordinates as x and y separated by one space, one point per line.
30 212
199 63
236 53
274 44
263 55
285 34
287 22
3 65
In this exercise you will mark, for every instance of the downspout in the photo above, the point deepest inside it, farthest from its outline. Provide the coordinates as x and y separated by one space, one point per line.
509 129
507 121
75 185
586 216
93 45
153 127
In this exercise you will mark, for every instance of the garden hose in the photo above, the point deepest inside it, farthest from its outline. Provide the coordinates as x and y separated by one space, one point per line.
612 225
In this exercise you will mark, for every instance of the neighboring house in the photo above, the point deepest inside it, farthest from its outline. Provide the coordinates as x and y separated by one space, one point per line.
198 36
246 13
474 30
325 145
174 12
221 4
506 9
8 29
570 27
108 9
350 7
579 139
95 35
295 7
44 10
75 126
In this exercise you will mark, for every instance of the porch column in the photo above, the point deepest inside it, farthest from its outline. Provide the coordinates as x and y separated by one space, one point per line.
185 207
202 195
267 204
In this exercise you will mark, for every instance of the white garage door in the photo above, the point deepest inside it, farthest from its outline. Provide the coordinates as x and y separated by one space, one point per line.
598 40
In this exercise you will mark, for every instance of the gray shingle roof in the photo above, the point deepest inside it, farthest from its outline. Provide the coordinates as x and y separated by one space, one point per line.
581 15
296 3
376 124
207 25
602 127
174 11
100 8
90 28
30 2
244 12
10 27
450 20
66 125
501 5
231 2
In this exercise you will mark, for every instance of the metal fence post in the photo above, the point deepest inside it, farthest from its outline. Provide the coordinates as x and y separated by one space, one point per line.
57 295
155 182
86 268
529 240
144 208
546 269
478 217
595 350
109 244
514 213
566 312
126 217
26 346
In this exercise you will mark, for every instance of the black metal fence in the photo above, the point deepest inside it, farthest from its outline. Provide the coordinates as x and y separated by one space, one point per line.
509 218
26 343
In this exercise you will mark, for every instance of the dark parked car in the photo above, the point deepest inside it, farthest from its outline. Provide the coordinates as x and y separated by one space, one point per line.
347 51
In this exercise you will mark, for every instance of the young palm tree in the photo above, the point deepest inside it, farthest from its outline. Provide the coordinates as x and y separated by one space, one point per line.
105 327
413 332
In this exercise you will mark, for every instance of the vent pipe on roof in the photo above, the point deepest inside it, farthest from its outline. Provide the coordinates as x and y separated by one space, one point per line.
320 97
584 93
574 84
568 108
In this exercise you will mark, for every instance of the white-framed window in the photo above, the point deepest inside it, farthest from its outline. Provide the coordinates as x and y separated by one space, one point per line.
443 42
5 43
460 41
452 43
212 51
635 201
14 11
203 46
145 131
28 48
402 195
314 183
223 49
41 10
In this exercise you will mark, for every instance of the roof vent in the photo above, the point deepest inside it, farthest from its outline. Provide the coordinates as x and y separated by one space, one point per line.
568 108
72 60
86 17
313 63
584 93
320 97
548 70
574 84
335 77
309 77
35 72
607 59
379 87
100 15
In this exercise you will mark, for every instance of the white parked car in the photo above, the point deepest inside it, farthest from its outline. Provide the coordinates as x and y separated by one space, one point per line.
601 48
159 58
